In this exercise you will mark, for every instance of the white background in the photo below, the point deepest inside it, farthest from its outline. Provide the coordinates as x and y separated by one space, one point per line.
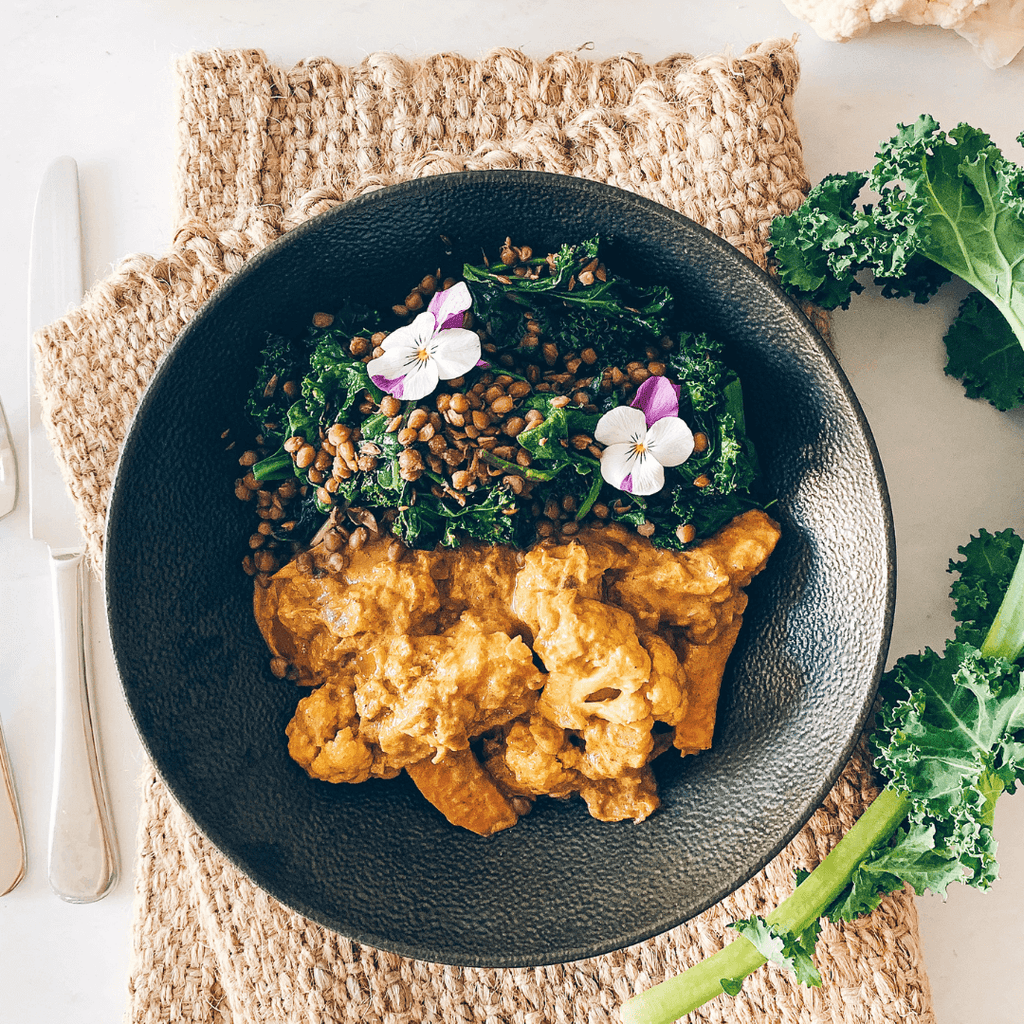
95 81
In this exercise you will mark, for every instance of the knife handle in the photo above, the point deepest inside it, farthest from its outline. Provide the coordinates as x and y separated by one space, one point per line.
83 861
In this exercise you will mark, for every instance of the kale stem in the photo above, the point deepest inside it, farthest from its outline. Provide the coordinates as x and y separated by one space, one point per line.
682 994
278 466
1005 639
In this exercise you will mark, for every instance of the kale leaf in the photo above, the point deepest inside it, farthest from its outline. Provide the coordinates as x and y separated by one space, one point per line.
984 353
607 315
950 204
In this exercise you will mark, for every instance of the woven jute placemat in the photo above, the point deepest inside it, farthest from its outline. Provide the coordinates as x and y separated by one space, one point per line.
261 149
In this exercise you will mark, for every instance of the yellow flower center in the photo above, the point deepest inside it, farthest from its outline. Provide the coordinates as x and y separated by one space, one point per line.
639 448
422 354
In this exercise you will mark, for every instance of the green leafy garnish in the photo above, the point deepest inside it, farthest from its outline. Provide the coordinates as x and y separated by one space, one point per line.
950 204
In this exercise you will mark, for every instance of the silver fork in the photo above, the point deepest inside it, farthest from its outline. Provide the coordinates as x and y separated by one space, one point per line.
12 836
8 468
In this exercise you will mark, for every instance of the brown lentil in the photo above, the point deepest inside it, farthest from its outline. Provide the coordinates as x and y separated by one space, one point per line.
339 433
264 561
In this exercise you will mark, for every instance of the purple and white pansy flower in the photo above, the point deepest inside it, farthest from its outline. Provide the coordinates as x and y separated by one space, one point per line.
434 347
644 437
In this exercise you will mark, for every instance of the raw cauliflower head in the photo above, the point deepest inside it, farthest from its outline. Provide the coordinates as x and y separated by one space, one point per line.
994 27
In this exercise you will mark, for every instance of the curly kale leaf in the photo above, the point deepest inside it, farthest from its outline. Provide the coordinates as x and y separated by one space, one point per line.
985 572
281 360
984 353
280 466
815 246
950 737
783 947
606 315
431 521
949 204
336 379
548 443
288 359
383 486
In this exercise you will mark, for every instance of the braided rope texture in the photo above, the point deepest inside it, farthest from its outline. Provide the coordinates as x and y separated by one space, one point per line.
261 149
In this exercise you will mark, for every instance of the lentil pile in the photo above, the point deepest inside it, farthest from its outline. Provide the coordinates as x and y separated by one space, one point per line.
504 453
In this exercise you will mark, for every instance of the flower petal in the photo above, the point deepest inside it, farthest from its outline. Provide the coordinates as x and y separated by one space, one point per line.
621 424
648 476
449 306
670 441
394 362
617 462
657 398
410 337
454 352
418 382
390 385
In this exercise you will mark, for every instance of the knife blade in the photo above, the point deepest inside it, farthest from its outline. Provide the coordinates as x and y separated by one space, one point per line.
82 859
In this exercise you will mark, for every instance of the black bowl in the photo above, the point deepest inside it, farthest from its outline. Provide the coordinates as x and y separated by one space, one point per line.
374 861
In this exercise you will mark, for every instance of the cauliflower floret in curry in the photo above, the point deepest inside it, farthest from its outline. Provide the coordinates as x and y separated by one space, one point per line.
494 677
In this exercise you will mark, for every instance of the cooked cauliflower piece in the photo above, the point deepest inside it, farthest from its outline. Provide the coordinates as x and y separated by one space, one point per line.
570 667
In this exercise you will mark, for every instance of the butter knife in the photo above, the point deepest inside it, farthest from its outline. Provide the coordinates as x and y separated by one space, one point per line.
82 859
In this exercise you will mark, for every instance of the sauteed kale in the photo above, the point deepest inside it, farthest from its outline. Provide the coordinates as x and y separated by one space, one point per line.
506 452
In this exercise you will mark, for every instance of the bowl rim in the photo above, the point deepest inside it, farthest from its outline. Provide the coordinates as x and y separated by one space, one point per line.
745 266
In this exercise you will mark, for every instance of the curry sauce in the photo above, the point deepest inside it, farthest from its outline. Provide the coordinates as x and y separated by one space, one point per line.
494 676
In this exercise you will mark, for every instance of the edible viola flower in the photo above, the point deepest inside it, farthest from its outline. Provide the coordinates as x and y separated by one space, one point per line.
435 346
644 437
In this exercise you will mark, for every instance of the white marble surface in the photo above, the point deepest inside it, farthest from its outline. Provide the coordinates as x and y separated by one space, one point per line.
95 81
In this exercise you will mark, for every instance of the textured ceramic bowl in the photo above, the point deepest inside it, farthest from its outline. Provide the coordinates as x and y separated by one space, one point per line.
376 862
